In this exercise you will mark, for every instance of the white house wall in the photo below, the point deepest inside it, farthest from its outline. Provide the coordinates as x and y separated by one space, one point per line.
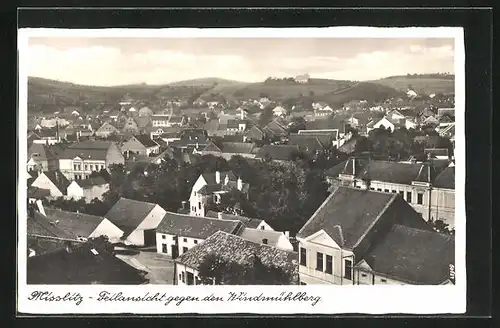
43 182
108 229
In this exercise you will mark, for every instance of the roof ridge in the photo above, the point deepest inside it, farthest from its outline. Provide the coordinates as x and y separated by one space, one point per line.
319 209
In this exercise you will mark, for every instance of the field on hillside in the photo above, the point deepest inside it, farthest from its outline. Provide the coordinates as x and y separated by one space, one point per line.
420 84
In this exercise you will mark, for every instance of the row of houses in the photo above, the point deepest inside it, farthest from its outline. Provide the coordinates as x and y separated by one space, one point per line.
356 237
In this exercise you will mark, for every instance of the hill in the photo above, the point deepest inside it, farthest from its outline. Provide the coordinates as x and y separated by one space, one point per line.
208 81
425 83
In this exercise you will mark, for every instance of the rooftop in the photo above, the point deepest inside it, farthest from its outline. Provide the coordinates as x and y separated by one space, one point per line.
248 222
195 226
239 250
127 214
78 224
413 255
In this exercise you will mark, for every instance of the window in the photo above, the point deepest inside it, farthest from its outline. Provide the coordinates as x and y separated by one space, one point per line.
363 275
394 191
195 193
199 205
262 227
163 237
74 167
386 190
195 242
303 256
184 249
372 188
303 283
348 269
183 277
379 189
408 196
164 248
319 261
185 240
402 193
420 198
383 280
86 167
329 264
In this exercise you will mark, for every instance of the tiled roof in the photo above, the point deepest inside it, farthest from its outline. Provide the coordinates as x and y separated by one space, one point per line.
210 189
327 124
275 129
413 255
87 263
43 151
240 250
127 214
90 182
248 222
78 224
278 152
145 140
446 179
336 170
40 225
38 193
395 172
305 142
195 226
258 236
347 214
58 179
237 147
94 149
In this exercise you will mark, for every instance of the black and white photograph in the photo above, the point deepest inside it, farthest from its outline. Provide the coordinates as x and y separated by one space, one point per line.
157 161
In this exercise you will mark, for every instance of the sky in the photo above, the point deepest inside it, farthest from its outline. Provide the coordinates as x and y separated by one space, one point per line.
110 61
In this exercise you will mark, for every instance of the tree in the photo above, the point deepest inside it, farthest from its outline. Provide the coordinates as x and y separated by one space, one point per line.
265 117
216 270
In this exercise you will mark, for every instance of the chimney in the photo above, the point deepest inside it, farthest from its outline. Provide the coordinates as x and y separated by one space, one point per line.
219 215
217 177
184 204
242 114
240 184
354 166
264 241
40 206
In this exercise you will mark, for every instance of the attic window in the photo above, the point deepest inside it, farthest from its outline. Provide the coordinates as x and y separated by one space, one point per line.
383 280
94 251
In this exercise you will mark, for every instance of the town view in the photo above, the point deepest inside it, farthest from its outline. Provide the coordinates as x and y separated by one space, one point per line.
195 162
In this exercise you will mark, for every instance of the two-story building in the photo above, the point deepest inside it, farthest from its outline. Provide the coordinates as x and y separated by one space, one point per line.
209 188
140 144
79 160
413 181
359 237
177 233
234 249
53 181
89 189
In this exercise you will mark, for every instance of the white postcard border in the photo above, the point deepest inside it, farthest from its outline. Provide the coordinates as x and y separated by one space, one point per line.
334 299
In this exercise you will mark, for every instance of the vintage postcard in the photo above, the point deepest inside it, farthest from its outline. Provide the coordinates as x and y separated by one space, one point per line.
215 171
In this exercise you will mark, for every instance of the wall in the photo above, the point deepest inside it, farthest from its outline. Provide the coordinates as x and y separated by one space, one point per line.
371 278
180 268
114 155
66 168
195 197
44 183
95 192
134 146
310 275
284 243
168 239
106 228
74 191
443 205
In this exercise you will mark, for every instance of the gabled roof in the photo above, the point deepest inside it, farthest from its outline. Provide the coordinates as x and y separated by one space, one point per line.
40 225
77 224
195 226
327 124
336 170
234 124
278 152
306 143
446 179
240 250
90 182
94 149
212 147
275 129
87 263
248 222
35 192
352 210
58 179
145 140
237 147
413 255
43 151
127 214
